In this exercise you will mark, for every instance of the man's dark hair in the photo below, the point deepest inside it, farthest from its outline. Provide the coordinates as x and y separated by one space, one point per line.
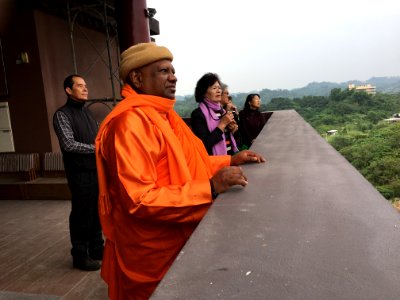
69 81
203 84
248 100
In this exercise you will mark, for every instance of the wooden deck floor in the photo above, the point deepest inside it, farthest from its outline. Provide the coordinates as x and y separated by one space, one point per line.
35 260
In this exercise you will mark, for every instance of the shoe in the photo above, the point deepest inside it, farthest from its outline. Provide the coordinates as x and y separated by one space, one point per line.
96 254
86 264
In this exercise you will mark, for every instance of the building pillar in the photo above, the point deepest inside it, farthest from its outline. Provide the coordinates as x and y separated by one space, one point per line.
132 22
6 10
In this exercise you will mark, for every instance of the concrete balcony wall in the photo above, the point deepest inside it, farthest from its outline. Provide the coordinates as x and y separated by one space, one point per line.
307 226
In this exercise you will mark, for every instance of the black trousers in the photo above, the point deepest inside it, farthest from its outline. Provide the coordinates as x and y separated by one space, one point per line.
84 223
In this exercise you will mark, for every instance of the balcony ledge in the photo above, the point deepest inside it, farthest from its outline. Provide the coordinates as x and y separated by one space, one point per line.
307 226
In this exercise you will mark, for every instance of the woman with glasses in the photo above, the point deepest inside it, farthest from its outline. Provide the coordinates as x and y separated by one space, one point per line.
210 122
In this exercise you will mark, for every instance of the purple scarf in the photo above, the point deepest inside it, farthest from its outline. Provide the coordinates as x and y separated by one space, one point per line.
208 109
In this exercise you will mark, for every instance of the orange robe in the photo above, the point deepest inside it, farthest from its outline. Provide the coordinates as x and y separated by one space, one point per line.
154 189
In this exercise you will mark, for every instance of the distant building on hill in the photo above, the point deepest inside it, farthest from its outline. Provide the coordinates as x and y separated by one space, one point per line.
370 89
331 132
394 118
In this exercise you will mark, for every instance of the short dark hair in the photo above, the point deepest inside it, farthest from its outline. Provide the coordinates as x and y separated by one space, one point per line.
248 100
69 80
203 84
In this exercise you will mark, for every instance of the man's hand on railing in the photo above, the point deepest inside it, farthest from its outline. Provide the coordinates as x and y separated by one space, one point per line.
246 156
226 177
233 175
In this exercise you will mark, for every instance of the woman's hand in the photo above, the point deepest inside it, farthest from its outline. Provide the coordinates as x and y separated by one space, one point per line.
233 127
225 120
246 156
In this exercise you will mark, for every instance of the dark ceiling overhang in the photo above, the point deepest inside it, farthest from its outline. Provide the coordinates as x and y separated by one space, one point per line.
88 13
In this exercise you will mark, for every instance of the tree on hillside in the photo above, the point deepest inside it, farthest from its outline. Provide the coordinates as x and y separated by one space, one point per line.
280 104
338 95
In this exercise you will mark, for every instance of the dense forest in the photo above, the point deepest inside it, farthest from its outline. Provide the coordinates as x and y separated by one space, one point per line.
364 138
368 141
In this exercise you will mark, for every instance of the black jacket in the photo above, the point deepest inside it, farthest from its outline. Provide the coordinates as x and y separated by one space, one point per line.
199 127
85 129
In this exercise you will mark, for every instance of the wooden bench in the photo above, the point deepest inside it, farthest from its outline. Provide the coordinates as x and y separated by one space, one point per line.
52 165
21 166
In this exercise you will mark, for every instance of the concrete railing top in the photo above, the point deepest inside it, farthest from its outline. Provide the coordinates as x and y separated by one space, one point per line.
307 226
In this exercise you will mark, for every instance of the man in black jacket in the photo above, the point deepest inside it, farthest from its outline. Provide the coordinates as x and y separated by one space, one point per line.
76 130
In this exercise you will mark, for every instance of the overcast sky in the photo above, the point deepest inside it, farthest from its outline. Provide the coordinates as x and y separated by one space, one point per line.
285 44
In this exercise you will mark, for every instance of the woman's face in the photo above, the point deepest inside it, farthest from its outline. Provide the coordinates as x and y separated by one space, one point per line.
255 103
229 105
225 97
214 92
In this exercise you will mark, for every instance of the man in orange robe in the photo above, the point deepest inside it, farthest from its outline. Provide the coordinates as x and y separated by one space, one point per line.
156 179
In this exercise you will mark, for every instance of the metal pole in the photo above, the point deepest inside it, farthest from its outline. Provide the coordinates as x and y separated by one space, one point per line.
71 30
108 50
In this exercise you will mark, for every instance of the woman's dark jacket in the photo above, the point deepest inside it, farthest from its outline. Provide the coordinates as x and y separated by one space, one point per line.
199 127
251 123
